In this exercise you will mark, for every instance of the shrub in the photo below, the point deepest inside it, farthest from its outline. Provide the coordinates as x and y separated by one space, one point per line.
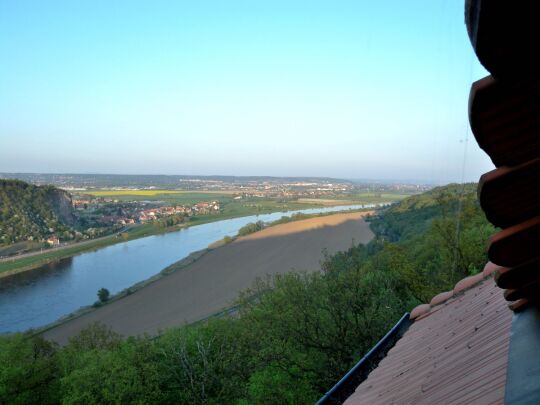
103 295
252 227
29 370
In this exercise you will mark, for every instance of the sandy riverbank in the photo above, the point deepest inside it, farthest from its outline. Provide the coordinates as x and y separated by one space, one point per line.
213 281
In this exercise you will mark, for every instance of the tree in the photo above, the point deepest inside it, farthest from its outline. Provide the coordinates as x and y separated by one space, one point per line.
251 228
28 370
123 374
103 295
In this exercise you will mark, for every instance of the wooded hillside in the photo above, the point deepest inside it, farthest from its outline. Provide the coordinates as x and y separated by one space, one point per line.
29 212
295 335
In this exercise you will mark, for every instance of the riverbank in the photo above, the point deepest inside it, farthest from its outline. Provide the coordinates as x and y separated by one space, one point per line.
191 258
213 280
186 261
9 267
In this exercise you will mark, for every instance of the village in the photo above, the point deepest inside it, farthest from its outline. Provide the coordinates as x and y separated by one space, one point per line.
108 211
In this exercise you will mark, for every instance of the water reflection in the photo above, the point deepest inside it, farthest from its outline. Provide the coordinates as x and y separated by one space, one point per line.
52 269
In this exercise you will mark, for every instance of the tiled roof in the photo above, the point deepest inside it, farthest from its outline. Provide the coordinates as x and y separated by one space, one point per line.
457 349
455 352
504 35
504 112
504 117
506 195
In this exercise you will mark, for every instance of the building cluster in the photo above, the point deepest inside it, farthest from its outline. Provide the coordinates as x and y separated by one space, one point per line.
202 208
110 212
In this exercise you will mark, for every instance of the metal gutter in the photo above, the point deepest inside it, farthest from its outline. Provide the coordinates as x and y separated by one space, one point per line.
347 385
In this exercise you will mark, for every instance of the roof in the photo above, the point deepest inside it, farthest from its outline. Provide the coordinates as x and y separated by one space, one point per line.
455 352
504 113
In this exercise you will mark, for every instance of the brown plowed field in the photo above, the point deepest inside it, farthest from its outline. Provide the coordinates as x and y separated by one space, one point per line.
212 282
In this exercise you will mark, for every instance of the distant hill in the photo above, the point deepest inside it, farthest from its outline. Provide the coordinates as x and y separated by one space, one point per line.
413 215
147 180
29 212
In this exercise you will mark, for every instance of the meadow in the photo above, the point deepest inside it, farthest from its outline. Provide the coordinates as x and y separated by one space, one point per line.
230 208
174 197
226 196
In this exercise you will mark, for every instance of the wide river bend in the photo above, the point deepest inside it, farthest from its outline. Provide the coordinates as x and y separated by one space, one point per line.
38 297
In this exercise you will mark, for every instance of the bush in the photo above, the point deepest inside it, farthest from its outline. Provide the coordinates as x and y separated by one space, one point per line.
103 295
122 373
293 337
252 227
29 370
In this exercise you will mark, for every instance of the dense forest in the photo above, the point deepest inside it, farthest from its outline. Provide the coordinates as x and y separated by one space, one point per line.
294 335
29 212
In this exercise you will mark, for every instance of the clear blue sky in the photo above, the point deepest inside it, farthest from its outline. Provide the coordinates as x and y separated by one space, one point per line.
354 89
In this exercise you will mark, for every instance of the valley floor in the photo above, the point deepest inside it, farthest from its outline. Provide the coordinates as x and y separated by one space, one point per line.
211 284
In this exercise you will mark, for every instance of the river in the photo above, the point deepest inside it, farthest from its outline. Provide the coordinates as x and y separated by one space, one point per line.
38 297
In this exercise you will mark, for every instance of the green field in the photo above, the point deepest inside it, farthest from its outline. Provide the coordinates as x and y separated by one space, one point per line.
149 193
230 209
374 198
166 196
26 263
180 197
19 247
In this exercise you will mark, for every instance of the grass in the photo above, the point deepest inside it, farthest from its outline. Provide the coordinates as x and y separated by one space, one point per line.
232 210
26 263
327 201
375 198
19 247
146 193
231 206
172 197
255 206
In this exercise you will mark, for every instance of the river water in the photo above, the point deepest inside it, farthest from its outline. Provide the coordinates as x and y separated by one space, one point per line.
35 298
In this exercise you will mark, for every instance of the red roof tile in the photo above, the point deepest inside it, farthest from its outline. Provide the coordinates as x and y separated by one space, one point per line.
519 276
504 35
440 298
419 310
507 195
504 113
467 283
490 268
457 354
529 290
519 305
505 119
516 245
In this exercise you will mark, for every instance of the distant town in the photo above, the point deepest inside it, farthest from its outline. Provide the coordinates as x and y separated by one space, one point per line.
258 186
109 211
95 206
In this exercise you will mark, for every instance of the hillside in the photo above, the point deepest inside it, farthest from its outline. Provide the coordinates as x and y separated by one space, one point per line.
212 282
295 334
29 212
413 215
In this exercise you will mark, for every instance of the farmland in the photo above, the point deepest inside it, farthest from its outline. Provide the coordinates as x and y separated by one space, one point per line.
163 196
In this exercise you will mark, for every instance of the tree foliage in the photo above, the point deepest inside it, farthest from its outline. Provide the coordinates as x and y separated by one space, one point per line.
103 295
252 227
26 211
294 334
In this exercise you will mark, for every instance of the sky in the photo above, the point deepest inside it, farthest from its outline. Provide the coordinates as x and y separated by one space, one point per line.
347 89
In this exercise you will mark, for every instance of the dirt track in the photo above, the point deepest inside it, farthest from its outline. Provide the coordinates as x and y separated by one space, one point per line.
214 281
